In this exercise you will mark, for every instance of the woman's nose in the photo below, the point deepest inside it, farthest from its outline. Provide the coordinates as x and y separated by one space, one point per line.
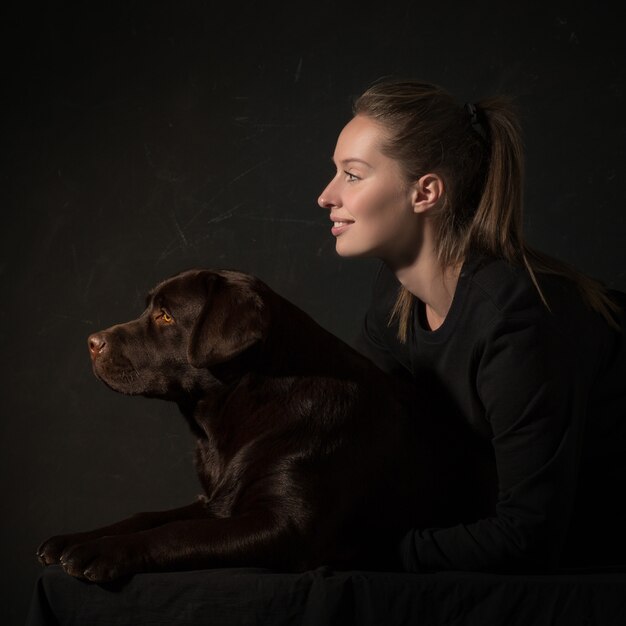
326 199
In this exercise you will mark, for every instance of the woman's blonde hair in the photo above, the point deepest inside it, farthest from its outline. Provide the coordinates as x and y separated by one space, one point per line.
477 149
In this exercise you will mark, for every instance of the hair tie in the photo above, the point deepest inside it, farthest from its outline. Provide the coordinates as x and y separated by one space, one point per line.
475 116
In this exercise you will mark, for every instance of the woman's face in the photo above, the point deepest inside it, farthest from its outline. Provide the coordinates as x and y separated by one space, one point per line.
370 203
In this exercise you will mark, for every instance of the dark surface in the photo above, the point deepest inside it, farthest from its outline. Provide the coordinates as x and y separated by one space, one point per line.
140 139
325 597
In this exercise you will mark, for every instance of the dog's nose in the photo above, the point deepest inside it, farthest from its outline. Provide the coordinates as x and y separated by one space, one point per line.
96 345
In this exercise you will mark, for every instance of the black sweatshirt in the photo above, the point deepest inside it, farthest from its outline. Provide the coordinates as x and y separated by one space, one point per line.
547 388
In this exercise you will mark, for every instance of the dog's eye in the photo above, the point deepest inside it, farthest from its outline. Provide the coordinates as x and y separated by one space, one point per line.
165 317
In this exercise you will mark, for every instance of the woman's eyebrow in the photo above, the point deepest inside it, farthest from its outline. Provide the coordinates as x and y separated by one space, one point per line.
351 160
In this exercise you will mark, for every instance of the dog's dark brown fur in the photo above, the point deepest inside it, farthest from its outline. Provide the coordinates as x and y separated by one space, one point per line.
307 452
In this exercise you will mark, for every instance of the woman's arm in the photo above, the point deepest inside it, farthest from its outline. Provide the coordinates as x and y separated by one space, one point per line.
534 389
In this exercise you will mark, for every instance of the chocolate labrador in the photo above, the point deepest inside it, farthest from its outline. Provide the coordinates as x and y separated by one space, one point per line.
308 453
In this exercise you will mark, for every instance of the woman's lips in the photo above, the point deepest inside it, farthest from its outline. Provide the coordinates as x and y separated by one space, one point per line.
340 227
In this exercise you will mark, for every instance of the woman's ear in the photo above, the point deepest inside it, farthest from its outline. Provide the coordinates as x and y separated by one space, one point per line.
427 192
232 319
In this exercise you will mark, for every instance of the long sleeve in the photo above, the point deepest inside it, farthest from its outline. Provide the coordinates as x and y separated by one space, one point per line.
534 392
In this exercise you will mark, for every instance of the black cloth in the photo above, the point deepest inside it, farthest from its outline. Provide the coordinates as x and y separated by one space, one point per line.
322 597
547 388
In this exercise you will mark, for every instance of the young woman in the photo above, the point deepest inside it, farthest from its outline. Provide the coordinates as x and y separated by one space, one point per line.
528 351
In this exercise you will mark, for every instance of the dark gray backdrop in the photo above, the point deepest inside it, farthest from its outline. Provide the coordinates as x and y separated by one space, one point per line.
140 139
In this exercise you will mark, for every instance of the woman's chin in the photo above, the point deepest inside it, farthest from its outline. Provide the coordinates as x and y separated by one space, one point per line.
348 252
349 249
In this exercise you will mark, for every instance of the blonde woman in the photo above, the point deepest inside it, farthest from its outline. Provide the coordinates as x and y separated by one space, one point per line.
529 352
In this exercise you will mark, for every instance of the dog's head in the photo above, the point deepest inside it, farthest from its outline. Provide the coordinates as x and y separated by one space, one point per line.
193 322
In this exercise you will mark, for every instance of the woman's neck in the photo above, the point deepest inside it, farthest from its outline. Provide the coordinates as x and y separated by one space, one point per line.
431 283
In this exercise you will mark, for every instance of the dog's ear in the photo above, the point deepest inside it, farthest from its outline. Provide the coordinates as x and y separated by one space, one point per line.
233 318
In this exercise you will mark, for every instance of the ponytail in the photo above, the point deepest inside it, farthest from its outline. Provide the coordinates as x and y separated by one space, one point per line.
496 227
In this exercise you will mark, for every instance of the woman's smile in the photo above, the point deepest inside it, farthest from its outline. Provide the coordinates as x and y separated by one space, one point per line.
339 225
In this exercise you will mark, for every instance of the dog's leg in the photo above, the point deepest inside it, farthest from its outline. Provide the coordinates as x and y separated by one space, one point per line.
50 551
251 540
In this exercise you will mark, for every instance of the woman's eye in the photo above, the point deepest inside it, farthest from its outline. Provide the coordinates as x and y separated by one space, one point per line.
351 178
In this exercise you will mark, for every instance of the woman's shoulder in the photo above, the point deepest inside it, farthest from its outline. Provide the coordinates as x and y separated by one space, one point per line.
513 290
553 302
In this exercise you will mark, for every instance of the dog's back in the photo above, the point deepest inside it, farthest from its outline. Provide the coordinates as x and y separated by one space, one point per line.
355 455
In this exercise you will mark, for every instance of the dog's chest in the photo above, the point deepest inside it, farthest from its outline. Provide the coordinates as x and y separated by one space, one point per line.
231 445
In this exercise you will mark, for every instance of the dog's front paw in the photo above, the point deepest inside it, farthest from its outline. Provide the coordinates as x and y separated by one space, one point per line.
50 551
102 560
